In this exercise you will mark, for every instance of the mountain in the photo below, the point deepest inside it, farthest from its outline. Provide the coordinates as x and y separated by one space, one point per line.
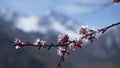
102 53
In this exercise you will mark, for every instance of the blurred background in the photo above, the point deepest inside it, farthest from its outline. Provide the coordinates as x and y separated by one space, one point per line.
45 19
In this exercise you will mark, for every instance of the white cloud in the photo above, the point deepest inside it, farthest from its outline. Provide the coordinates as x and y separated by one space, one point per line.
29 24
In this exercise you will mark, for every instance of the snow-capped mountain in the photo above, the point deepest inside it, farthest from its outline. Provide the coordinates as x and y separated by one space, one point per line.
49 23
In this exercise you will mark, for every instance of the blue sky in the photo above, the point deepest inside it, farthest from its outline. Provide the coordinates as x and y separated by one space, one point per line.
95 13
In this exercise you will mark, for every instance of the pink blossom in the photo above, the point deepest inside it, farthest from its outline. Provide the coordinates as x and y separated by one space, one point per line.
18 43
89 34
61 51
83 30
39 42
63 39
43 43
17 47
76 44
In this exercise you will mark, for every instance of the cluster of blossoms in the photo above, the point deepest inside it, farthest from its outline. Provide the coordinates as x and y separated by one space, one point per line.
87 33
83 30
18 43
75 44
64 43
39 43
61 51
62 39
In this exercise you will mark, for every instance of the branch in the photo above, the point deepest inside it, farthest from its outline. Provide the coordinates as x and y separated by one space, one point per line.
64 43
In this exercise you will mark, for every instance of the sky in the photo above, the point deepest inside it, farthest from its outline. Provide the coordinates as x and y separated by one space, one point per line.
94 13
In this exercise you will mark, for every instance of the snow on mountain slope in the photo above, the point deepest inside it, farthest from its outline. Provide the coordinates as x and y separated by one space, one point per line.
52 22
